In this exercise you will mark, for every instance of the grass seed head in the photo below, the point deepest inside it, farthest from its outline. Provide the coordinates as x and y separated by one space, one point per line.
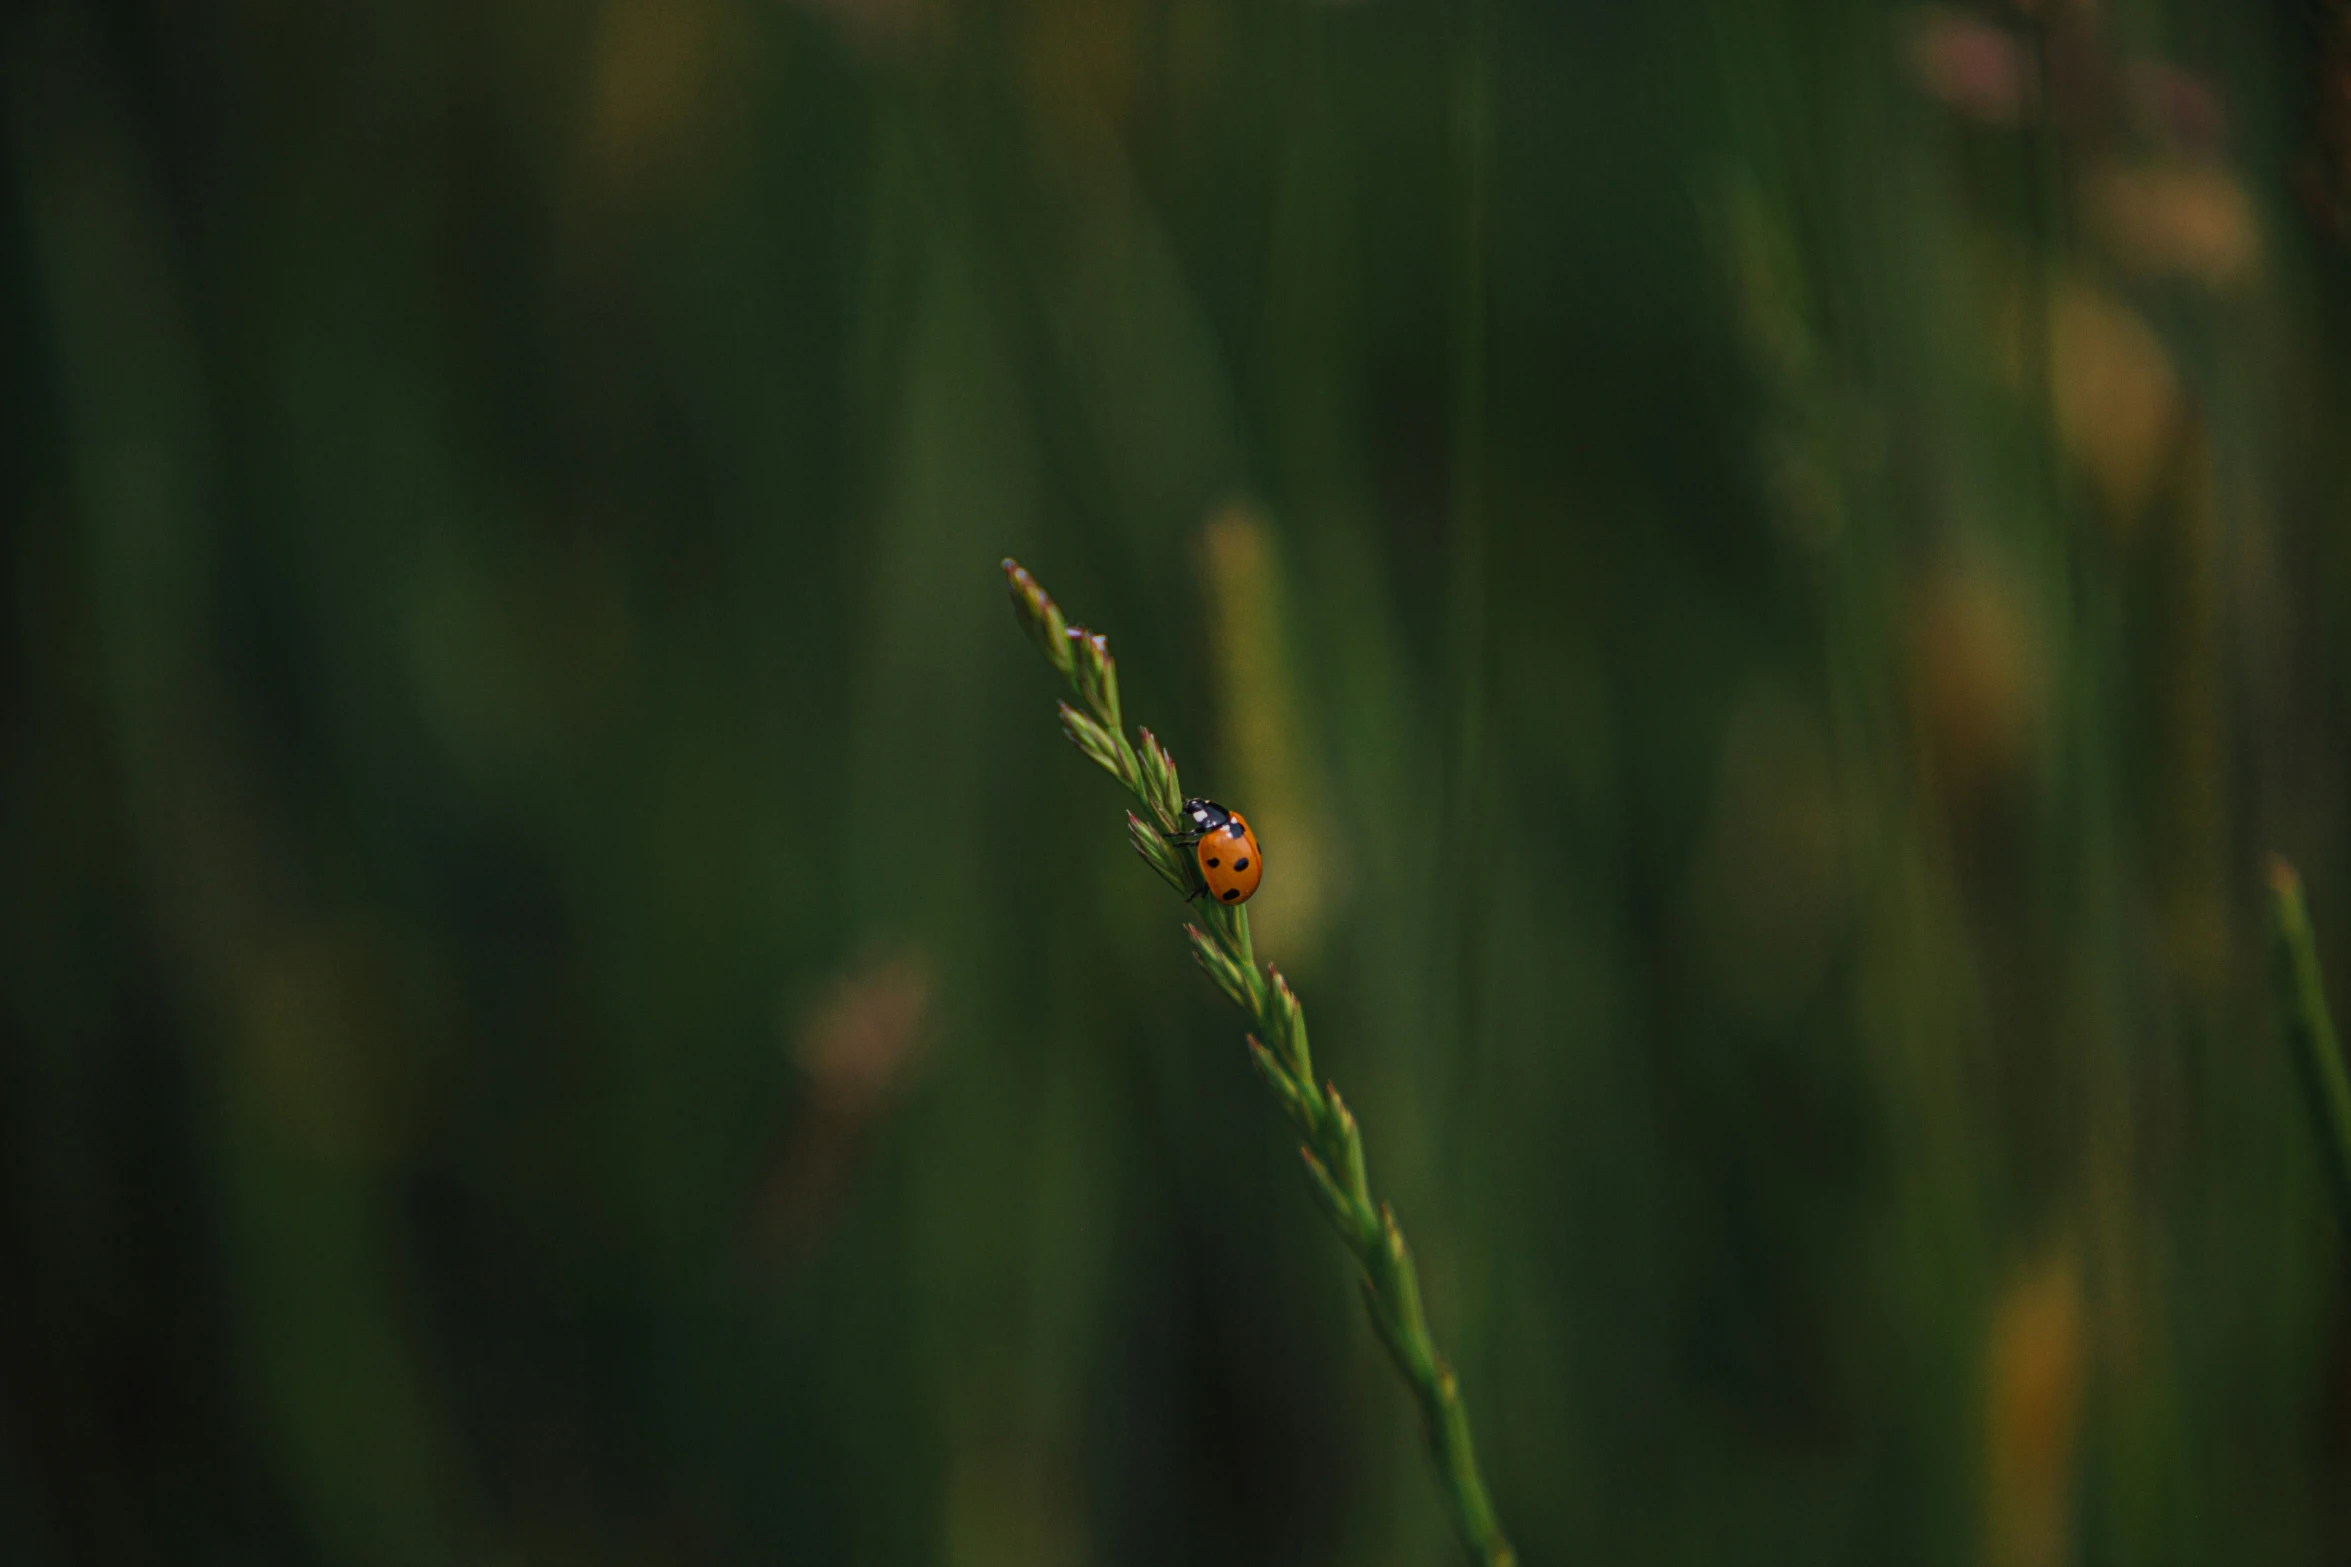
1158 853
1097 675
1159 780
1039 616
1091 738
1211 955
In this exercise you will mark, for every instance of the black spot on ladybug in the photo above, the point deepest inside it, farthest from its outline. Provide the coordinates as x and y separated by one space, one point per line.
1240 864
1212 861
1230 893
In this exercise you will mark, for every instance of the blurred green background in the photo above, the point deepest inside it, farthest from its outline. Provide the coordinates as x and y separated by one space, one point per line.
1768 571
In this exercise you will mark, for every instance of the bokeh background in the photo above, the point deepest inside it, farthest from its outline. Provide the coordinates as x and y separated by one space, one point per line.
1768 571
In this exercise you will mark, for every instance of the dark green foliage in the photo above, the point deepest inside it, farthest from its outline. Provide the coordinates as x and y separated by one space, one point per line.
559 1001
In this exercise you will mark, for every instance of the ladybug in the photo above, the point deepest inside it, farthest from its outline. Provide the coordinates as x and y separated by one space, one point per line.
1223 848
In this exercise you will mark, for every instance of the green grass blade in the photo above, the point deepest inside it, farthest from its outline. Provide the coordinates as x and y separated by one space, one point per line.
2302 1005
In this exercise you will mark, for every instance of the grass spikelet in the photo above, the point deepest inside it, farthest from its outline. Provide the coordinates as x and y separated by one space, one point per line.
1229 976
1040 617
1292 1032
1091 738
1333 1149
1159 776
1158 853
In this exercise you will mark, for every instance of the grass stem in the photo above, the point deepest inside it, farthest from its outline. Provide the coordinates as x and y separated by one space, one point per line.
1333 1144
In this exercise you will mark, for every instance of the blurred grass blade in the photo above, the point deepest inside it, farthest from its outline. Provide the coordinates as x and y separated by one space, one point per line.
2302 1004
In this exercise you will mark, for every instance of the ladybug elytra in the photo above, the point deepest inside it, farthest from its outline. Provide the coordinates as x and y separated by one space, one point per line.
1223 849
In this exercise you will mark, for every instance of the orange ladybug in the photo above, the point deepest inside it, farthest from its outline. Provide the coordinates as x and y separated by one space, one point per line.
1223 848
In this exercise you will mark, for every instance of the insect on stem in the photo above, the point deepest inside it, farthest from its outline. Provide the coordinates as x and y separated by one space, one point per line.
1226 864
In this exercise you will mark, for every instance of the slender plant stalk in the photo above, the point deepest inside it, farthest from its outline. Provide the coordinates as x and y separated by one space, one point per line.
1333 1150
2302 1004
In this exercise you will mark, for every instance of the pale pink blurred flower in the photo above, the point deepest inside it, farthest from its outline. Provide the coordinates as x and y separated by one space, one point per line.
2175 107
1972 67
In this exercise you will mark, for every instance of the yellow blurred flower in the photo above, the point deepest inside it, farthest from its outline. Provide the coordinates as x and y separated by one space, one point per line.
1977 682
2189 220
2114 395
2033 1376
